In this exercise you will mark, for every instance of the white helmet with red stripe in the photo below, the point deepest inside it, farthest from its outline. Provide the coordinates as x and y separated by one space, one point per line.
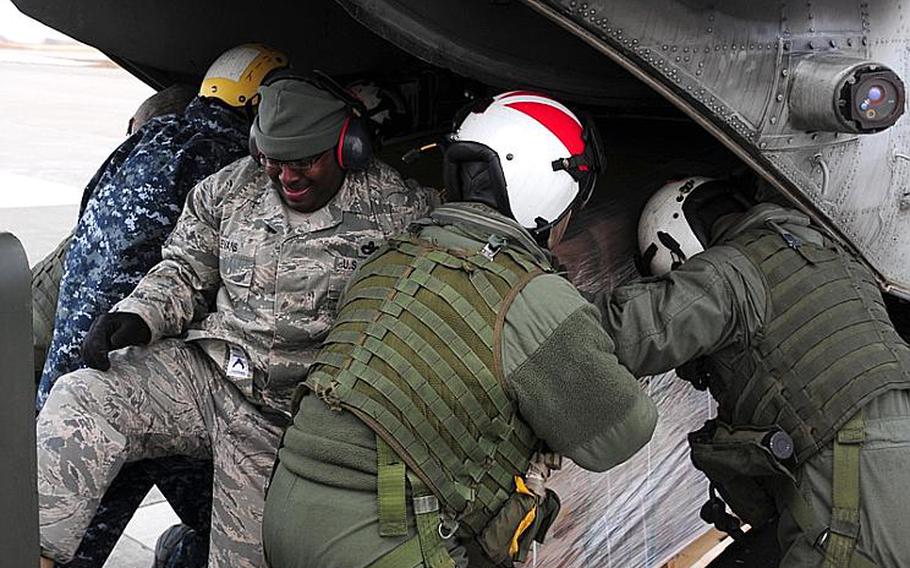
525 154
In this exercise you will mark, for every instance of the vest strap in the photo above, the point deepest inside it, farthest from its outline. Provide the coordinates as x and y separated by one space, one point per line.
428 546
393 519
838 540
840 548
501 322
431 528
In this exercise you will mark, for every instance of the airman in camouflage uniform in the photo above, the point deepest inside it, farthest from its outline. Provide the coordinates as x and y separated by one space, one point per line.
275 261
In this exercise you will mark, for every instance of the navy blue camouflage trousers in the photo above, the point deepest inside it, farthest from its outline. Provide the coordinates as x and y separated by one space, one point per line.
184 481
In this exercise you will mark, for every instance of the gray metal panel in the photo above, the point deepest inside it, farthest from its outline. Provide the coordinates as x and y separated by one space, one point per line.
501 43
729 65
18 494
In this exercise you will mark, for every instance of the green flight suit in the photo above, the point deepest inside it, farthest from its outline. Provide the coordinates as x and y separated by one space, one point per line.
720 305
557 366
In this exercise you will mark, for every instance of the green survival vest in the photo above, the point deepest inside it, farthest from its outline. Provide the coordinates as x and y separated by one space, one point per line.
827 347
415 354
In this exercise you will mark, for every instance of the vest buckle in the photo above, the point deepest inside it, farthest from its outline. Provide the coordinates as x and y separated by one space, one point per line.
792 240
447 528
425 504
822 539
494 244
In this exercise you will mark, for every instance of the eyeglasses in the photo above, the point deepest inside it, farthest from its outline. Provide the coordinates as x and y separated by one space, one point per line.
273 167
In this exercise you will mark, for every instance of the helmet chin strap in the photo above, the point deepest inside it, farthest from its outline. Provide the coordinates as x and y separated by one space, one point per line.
545 228
558 231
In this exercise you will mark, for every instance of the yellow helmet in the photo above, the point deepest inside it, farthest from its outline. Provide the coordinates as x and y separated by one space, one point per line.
235 76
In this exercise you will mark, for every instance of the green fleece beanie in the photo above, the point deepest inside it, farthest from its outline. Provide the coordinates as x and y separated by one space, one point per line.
296 120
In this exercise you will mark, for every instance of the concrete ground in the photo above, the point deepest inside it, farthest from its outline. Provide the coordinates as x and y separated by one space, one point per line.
136 547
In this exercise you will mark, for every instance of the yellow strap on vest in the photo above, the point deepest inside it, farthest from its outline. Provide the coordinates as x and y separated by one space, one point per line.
526 522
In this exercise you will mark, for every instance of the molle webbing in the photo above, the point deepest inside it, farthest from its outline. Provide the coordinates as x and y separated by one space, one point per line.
827 348
411 354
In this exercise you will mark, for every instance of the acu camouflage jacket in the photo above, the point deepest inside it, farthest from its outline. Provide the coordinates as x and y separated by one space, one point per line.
276 282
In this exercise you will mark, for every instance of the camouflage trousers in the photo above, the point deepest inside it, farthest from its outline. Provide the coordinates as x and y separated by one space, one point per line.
165 399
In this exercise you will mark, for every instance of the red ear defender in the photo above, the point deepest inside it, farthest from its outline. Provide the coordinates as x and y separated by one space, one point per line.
354 147
339 148
354 150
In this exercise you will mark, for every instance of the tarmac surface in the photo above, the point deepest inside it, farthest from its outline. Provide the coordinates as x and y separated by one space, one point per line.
64 111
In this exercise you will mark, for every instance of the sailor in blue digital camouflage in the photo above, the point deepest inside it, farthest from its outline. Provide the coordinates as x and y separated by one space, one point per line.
133 202
48 272
271 240
128 209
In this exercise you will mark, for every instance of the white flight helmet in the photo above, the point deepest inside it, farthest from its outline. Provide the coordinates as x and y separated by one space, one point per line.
525 154
666 238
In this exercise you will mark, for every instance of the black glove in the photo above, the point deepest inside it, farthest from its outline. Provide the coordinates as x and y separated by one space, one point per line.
110 332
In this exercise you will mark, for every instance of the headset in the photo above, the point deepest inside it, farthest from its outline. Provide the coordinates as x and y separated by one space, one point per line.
354 149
